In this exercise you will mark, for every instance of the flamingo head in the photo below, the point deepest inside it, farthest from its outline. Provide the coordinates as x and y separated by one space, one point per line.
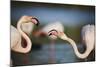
53 34
53 30
28 23
27 19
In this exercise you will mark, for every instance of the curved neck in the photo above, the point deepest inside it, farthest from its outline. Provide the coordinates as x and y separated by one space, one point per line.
28 41
78 54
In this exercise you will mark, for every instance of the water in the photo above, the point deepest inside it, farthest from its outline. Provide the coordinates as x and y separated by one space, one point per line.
63 54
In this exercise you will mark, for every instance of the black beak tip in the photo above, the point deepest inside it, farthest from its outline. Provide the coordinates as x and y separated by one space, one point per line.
37 24
37 21
50 34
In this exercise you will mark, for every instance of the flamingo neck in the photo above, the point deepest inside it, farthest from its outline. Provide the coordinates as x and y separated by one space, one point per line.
28 41
78 54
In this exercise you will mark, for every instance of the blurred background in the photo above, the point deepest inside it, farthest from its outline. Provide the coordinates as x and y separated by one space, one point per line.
44 50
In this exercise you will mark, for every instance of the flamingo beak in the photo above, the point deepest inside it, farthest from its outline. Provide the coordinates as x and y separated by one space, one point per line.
50 34
53 32
35 21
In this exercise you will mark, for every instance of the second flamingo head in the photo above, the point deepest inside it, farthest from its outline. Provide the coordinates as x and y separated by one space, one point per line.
53 30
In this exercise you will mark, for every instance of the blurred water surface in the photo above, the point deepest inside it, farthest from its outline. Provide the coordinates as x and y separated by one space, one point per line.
63 53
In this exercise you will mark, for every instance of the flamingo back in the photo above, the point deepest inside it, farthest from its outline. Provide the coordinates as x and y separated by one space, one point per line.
88 36
15 36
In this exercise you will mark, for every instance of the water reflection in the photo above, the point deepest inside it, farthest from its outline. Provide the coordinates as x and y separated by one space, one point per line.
63 54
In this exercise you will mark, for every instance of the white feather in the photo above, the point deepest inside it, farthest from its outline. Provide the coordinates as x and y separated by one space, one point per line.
27 27
54 25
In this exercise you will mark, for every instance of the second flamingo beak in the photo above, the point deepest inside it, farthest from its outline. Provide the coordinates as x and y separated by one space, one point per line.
35 21
53 32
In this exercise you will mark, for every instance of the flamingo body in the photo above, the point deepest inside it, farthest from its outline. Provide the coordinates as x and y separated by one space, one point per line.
15 36
88 36
24 27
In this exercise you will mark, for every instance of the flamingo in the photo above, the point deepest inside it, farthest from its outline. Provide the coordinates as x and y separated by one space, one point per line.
20 34
27 27
55 30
